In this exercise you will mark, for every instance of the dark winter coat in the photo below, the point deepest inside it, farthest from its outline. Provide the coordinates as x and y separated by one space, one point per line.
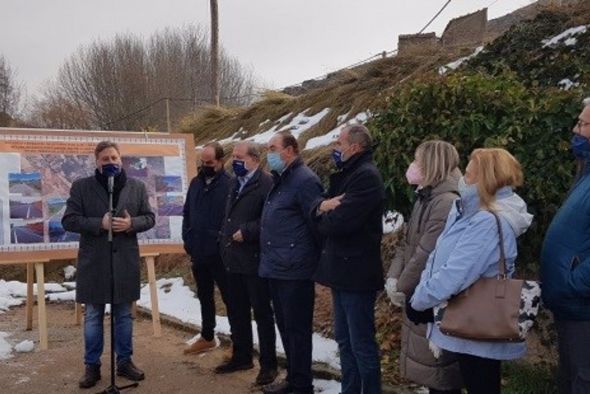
426 223
289 245
85 209
242 212
351 256
565 257
203 213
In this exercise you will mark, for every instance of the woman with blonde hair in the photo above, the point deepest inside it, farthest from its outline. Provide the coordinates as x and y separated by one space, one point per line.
435 174
469 249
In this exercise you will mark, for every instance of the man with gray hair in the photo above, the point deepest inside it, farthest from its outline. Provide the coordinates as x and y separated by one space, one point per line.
240 251
565 269
351 222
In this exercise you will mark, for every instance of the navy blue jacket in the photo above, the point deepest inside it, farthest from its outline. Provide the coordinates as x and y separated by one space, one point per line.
289 245
242 213
203 213
351 256
565 258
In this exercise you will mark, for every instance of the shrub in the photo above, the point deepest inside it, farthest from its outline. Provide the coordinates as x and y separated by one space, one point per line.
520 50
478 110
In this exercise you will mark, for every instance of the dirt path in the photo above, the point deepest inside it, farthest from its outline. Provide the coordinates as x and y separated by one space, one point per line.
58 369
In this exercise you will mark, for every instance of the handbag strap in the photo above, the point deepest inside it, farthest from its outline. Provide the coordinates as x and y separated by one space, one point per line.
502 261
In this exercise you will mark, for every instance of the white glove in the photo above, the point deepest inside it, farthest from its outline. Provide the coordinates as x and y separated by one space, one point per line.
397 298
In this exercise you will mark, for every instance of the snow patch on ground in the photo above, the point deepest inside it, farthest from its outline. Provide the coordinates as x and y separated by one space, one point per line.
454 65
69 272
176 300
298 125
7 299
567 37
5 348
567 84
63 296
326 386
179 301
333 134
19 289
25 346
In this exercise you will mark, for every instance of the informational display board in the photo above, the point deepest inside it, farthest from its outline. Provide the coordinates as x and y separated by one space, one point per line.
37 168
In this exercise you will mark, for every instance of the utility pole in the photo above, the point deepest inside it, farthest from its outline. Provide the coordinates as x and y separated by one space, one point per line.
215 52
168 114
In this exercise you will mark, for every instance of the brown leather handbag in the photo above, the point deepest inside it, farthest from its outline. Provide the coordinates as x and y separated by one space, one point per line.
491 309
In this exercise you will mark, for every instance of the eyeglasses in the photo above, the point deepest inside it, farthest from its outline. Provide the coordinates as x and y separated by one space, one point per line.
582 123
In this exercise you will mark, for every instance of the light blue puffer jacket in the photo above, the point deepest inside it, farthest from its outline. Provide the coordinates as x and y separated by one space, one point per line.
466 250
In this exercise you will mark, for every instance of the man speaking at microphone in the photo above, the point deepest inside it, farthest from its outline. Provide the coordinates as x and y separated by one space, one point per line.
87 213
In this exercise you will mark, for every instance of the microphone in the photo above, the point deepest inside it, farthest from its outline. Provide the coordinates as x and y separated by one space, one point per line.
110 171
111 183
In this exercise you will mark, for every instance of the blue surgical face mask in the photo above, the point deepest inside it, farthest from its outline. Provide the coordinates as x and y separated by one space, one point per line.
580 146
466 190
111 169
239 167
275 162
337 157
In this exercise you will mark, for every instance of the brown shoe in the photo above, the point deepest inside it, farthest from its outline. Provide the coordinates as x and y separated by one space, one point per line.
200 346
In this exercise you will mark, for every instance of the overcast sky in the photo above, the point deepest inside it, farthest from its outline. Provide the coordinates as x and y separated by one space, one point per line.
283 41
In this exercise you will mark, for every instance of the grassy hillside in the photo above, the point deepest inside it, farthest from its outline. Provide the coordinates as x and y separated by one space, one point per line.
510 94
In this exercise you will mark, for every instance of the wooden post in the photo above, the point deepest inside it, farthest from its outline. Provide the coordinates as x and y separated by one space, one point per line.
39 268
151 271
30 301
78 313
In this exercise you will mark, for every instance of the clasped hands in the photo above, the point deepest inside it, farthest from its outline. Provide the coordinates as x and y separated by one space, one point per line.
120 224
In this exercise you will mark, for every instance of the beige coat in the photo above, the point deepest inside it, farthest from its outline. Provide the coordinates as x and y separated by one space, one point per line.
427 221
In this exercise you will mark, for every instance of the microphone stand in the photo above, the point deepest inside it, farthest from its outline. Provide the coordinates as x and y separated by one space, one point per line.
113 389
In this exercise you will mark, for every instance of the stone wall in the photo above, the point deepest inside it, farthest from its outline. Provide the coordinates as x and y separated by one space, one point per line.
466 31
411 43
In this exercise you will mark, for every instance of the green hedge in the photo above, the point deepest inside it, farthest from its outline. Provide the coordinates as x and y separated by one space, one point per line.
521 51
478 110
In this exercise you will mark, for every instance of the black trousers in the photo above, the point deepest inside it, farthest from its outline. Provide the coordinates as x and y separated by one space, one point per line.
480 375
207 273
293 302
435 391
247 293
573 343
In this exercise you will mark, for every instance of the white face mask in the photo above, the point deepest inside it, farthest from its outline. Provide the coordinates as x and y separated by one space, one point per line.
466 190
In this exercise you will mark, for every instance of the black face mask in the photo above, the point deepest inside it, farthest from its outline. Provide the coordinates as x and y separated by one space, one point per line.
208 171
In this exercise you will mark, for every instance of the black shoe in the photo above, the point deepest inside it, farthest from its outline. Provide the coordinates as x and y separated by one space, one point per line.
281 387
130 371
233 366
266 376
91 376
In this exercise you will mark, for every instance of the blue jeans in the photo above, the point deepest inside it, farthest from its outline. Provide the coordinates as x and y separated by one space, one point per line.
354 329
93 332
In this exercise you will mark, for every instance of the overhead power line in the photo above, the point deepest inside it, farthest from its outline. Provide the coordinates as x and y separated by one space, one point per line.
185 99
435 16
